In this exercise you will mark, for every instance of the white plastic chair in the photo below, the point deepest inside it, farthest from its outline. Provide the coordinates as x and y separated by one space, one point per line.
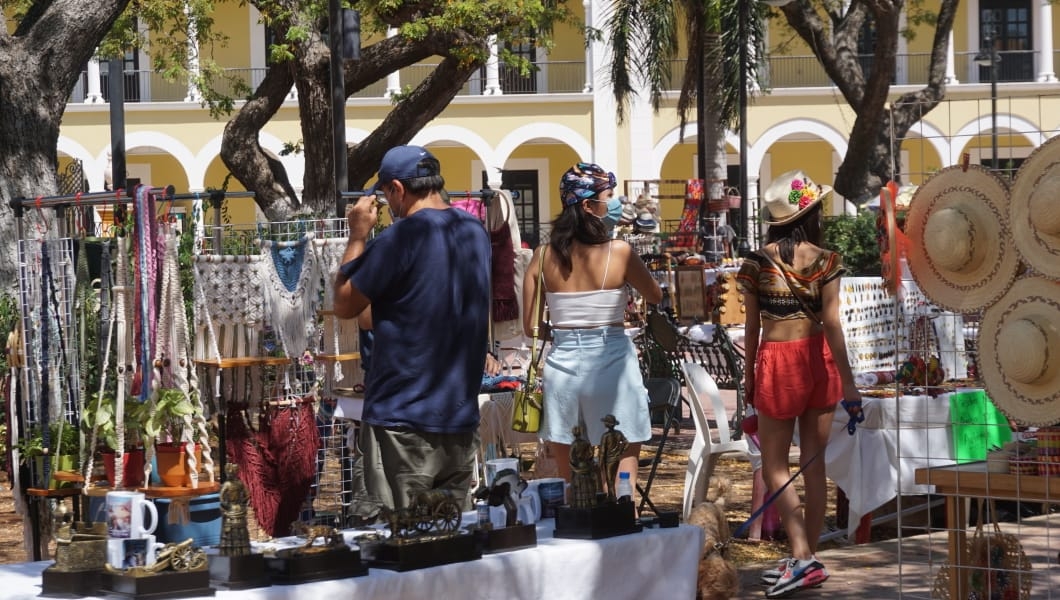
710 442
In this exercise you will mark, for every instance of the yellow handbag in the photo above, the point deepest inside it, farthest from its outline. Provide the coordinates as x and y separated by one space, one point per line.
529 400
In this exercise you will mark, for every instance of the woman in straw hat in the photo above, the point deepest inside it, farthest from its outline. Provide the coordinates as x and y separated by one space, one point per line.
592 369
791 296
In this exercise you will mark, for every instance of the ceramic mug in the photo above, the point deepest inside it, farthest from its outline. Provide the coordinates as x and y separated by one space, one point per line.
125 515
496 466
552 492
123 554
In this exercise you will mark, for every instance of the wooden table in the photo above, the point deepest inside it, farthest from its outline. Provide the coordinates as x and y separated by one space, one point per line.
971 480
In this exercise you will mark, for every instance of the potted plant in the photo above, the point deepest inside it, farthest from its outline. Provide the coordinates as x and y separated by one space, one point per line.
100 415
170 425
63 447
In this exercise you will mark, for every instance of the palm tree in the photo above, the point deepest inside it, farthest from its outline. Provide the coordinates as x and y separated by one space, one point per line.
644 46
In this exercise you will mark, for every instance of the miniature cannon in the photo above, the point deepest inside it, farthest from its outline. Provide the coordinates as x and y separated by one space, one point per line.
429 510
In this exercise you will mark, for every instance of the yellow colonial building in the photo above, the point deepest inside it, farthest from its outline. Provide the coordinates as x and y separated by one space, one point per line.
523 132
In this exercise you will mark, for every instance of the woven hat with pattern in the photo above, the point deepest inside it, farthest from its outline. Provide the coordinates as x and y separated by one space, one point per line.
1018 338
961 252
1034 212
790 195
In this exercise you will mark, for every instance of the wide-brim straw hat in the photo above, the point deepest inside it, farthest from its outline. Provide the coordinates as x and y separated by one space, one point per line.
961 253
783 204
1019 365
1034 210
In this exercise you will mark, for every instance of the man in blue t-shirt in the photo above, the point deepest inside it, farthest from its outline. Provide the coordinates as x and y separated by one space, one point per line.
427 278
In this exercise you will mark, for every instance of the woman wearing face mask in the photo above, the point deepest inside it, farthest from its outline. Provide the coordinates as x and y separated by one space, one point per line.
592 369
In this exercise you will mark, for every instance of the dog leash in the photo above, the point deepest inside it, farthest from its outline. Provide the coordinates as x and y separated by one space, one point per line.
851 429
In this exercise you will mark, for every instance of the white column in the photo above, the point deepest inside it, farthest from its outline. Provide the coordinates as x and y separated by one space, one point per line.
493 78
951 61
588 6
605 133
752 209
1045 37
193 57
93 93
393 80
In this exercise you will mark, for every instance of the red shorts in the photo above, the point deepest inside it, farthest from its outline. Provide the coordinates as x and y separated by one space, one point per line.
791 377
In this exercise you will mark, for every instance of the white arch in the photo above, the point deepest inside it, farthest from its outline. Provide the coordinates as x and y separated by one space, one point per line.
461 135
934 137
93 168
672 138
168 144
756 153
982 126
561 133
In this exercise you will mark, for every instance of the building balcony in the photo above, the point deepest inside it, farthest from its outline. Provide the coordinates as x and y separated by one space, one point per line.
569 77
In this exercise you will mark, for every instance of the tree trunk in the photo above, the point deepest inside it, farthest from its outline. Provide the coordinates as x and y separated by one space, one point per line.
869 161
39 65
242 152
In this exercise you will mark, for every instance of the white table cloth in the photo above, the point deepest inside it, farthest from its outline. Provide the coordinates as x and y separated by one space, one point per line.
656 563
877 463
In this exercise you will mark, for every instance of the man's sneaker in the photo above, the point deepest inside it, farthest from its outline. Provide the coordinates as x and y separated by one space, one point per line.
799 574
770 576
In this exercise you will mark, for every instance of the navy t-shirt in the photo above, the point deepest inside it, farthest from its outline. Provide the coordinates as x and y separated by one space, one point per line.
428 279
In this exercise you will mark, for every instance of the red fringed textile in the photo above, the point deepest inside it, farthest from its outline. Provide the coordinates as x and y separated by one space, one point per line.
255 465
277 463
505 304
293 439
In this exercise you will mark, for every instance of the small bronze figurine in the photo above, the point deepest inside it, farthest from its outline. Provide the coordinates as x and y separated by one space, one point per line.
235 537
584 473
612 444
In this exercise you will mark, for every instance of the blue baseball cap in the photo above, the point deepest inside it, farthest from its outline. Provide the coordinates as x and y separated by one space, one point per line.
403 163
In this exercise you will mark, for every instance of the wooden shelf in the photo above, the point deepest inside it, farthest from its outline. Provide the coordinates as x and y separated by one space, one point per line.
205 487
59 493
338 357
973 480
243 361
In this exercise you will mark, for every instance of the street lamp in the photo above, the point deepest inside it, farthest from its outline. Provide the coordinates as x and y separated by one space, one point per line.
744 247
988 57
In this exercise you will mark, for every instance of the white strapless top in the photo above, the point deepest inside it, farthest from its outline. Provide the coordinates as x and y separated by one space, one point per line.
586 309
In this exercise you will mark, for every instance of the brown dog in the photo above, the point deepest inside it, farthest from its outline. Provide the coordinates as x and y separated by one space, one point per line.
718 578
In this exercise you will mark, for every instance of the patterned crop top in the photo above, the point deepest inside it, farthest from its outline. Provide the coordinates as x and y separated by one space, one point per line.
760 278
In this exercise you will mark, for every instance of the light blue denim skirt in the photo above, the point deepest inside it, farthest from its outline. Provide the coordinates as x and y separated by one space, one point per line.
590 373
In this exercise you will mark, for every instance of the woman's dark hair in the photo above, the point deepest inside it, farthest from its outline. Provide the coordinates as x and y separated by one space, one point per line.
806 228
574 224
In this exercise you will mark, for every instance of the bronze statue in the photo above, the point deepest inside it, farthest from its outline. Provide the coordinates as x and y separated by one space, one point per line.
584 474
235 537
612 444
332 537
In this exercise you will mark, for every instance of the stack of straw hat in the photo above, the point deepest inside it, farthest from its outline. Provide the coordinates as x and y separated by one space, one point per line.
979 245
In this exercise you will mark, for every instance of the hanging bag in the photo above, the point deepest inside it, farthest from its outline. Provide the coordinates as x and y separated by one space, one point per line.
528 400
998 567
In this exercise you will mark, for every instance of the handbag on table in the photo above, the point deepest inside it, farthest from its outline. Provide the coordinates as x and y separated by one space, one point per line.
529 400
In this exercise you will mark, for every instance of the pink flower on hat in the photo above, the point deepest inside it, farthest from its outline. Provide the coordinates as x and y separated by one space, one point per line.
802 193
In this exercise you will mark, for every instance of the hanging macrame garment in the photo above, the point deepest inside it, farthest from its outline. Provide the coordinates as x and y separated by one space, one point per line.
292 293
145 274
229 305
340 335
172 365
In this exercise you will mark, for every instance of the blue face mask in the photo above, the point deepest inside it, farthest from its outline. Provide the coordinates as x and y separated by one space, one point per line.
614 213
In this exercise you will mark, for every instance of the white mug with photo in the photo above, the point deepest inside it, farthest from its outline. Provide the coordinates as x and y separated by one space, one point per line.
125 515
